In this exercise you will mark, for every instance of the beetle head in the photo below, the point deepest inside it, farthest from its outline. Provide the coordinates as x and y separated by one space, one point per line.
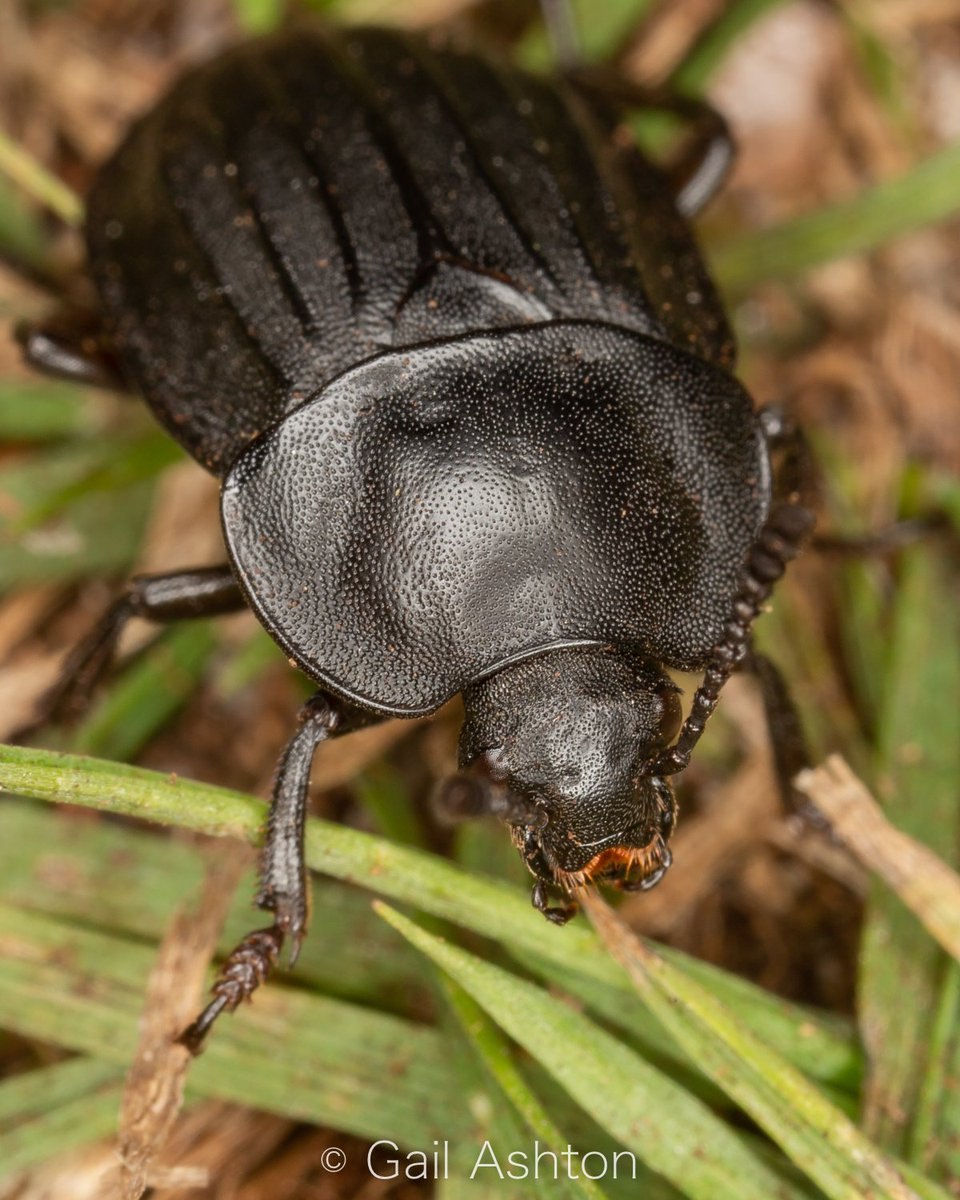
560 746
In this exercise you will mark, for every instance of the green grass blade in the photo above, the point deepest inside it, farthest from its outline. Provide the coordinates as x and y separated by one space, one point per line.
600 28
711 48
382 791
817 1137
112 470
148 693
944 494
59 1129
904 981
45 412
494 1053
37 182
300 1055
928 193
125 880
258 16
101 533
22 237
933 1140
646 1112
818 1045
39 540
633 1023
246 663
495 1123
35 1092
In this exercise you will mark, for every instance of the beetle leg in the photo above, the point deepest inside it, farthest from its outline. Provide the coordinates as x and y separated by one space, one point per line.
70 345
646 882
699 168
796 474
884 541
779 541
283 874
525 840
558 914
203 592
790 755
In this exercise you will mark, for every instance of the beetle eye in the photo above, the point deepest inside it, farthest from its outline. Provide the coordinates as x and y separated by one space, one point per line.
672 717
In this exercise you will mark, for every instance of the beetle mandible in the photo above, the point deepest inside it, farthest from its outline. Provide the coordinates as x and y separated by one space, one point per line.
444 335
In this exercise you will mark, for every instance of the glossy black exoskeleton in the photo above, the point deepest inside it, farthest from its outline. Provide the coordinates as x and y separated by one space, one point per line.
444 335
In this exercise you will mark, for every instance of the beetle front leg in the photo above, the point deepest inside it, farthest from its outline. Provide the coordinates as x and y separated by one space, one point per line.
474 792
283 888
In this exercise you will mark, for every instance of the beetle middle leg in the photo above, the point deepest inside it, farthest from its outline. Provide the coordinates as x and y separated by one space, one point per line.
797 474
283 888
790 753
179 595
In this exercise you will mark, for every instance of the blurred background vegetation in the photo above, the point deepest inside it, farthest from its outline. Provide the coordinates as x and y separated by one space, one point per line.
835 247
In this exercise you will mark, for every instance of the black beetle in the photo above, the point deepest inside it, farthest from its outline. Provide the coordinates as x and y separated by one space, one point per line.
444 334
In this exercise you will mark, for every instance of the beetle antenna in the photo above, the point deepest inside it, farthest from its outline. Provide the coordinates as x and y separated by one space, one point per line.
778 543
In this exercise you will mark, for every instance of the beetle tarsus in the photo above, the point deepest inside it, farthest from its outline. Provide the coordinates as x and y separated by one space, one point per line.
290 911
243 972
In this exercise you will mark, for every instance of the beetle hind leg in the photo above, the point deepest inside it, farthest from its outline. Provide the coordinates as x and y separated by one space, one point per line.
697 171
